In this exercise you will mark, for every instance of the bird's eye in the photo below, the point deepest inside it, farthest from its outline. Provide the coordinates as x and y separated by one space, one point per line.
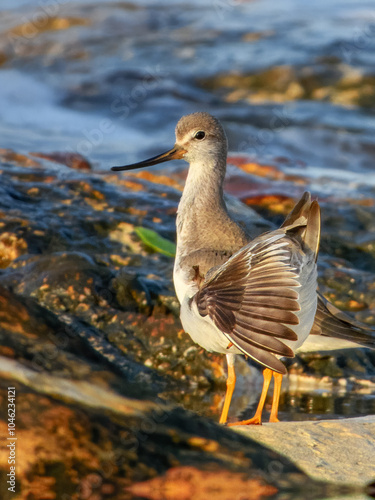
200 135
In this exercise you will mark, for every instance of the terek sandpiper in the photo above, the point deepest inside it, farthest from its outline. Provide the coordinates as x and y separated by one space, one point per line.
256 298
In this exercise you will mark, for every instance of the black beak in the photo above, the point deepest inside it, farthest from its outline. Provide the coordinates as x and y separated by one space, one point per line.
175 153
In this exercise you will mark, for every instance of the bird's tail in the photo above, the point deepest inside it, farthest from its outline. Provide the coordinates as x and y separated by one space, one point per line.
331 322
306 217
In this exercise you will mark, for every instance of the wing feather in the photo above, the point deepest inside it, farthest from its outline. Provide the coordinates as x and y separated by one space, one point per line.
262 341
287 282
265 328
269 314
282 302
272 292
263 357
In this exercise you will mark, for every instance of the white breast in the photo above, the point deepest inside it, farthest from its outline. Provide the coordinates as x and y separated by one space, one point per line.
180 282
201 329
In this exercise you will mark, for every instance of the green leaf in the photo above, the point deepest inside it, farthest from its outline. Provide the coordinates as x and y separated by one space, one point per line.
153 240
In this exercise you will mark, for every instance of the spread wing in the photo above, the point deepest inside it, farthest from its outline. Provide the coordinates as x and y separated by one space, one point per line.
253 298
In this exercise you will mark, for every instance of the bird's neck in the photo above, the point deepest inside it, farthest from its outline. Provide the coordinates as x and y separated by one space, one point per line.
202 197
203 191
202 219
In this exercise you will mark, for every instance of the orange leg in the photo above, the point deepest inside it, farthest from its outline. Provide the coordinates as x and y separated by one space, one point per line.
231 382
257 418
277 378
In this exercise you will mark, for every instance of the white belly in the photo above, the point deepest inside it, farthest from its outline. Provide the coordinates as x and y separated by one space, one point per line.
201 329
316 343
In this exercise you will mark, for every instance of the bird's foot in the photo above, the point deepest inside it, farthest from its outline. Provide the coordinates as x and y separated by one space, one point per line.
252 421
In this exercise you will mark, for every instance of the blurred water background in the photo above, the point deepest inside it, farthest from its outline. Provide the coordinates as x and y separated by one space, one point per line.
110 79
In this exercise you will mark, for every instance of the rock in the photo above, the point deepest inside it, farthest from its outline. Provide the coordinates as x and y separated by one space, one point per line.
342 451
10 156
11 248
63 345
331 81
71 160
76 435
